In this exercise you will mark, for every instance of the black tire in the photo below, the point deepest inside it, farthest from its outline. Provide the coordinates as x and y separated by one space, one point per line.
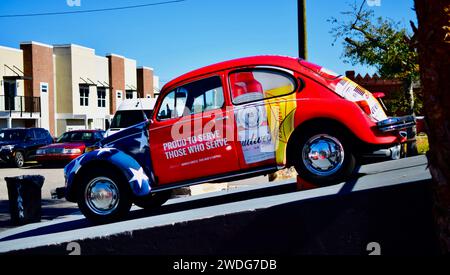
307 169
99 178
19 159
153 200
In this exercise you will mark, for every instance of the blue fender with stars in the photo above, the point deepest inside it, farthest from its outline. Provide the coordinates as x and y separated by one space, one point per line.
128 151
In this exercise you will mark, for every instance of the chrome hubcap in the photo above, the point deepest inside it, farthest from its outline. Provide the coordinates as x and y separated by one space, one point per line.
102 196
323 155
19 158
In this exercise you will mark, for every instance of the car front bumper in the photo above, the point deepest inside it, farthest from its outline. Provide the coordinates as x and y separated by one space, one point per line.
6 155
396 124
56 157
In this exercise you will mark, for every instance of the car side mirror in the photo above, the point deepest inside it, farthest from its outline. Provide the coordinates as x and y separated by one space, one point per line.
148 121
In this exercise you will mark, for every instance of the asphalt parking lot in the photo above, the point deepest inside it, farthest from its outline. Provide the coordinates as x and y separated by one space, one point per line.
54 177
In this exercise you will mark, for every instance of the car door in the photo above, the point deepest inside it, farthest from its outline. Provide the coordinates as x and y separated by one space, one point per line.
31 143
264 103
42 137
39 139
190 133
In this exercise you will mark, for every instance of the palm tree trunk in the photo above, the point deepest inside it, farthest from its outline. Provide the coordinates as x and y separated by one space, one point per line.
434 59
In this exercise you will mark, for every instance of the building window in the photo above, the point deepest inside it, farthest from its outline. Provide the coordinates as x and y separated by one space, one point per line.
129 94
84 95
101 95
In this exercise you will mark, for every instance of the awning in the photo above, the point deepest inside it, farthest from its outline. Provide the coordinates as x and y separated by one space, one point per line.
17 77
87 82
131 88
103 84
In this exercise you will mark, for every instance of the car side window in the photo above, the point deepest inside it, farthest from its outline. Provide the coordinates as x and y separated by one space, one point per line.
252 85
193 98
97 136
31 134
42 134
172 105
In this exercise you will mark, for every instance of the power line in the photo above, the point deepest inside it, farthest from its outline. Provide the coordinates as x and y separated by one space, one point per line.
91 11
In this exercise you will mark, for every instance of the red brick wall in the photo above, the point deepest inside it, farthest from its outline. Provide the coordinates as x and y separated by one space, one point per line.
116 79
38 63
375 84
145 82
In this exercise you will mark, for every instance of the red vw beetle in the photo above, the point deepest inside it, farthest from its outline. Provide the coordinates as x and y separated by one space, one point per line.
238 118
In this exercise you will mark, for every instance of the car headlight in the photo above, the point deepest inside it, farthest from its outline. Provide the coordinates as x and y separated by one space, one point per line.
7 147
91 148
71 151
40 152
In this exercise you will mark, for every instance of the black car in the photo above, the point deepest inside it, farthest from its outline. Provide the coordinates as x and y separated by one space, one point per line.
19 145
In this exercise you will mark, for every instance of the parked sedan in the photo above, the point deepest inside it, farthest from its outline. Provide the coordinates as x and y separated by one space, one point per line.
69 146
18 145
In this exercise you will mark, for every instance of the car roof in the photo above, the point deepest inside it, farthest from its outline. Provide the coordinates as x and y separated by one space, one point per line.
137 103
22 128
263 60
86 131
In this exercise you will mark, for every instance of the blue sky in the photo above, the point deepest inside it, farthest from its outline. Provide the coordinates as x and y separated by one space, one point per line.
176 38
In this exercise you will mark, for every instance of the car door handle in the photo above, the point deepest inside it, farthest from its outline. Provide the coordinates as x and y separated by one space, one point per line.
222 118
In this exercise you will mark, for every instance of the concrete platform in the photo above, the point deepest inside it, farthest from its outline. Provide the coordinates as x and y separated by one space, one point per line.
389 203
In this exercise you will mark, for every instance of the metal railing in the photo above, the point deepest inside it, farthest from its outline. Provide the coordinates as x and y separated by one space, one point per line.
22 104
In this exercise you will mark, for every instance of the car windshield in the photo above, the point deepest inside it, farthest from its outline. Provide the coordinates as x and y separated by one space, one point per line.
125 119
12 135
76 137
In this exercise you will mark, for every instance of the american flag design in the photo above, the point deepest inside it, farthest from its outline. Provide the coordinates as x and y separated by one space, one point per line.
129 151
354 92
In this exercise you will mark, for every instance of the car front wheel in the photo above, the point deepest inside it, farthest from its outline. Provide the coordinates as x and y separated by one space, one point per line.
103 196
324 157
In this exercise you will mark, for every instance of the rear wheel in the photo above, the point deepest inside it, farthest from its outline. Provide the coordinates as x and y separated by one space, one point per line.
103 196
153 200
324 156
19 159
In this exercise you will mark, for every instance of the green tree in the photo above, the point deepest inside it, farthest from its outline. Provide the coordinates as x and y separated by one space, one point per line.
383 44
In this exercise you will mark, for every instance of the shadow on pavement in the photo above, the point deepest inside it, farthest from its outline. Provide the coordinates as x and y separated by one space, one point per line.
51 209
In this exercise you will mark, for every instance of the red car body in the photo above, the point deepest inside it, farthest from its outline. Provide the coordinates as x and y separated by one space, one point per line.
235 119
67 151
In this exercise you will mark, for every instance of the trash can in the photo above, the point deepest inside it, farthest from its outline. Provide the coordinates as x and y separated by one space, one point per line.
24 194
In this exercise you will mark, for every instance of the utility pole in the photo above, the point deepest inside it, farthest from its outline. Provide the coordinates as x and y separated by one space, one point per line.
302 37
